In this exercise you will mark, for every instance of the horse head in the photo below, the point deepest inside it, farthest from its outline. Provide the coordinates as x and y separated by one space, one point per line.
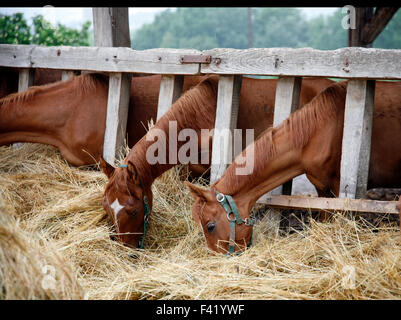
223 226
126 203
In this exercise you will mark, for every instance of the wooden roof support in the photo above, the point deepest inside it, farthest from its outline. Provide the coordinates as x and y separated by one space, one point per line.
377 23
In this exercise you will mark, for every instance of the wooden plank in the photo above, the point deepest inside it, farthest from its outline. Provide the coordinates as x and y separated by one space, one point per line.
112 27
369 63
65 75
286 102
356 138
170 91
117 115
118 59
331 204
363 14
25 80
228 96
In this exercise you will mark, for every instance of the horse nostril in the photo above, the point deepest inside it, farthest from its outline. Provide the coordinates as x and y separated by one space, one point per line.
210 226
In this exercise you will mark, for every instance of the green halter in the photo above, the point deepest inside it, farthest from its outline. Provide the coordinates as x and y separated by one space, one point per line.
146 209
230 207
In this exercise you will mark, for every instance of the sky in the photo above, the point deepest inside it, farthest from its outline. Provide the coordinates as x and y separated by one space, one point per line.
75 17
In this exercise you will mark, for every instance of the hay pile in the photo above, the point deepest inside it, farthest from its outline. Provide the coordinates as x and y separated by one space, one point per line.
55 244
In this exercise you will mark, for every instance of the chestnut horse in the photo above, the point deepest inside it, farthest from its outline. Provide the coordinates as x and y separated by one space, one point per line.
128 197
310 142
71 115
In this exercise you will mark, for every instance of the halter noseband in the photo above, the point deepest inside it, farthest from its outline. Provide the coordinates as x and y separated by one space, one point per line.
146 209
230 207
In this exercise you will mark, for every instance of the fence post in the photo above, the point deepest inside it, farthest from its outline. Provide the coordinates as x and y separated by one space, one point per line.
111 29
25 80
228 96
170 91
287 101
358 118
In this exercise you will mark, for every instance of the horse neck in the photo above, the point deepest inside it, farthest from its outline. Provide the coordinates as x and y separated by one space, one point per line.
275 162
196 110
36 114
278 154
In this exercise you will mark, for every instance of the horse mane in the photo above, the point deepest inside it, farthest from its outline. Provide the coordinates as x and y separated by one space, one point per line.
301 125
195 109
82 84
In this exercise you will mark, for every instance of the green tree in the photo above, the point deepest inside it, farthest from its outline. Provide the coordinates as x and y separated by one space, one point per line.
390 37
46 34
327 33
14 29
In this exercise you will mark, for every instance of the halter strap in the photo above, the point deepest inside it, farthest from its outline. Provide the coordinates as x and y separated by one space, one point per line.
230 207
146 206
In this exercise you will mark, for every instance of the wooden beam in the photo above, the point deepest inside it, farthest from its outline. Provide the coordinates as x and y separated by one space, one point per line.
351 63
111 29
357 138
228 96
286 102
363 15
331 204
377 23
25 79
117 115
170 91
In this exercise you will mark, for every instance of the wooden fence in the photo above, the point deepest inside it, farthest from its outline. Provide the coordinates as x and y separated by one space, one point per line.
360 65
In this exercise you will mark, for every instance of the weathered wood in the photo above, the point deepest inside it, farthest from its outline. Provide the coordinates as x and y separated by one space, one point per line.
286 102
119 59
331 204
65 75
111 26
356 138
369 63
170 91
363 15
228 96
342 63
117 114
25 79
377 23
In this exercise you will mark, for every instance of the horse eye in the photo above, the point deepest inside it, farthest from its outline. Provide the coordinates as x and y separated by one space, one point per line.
134 212
210 226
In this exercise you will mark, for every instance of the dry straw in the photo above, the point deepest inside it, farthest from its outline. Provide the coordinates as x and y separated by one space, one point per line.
55 244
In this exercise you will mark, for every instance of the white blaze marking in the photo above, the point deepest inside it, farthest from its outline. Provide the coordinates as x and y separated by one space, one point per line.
116 206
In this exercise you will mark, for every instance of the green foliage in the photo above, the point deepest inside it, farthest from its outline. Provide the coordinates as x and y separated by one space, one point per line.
206 28
14 29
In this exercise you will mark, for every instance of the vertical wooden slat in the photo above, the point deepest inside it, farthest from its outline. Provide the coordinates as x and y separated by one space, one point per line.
287 101
66 74
25 80
170 91
117 114
111 29
228 96
357 138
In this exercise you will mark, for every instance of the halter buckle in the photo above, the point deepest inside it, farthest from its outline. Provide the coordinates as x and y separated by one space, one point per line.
220 197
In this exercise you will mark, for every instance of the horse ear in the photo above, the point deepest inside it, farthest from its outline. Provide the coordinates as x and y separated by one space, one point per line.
132 171
106 168
196 191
